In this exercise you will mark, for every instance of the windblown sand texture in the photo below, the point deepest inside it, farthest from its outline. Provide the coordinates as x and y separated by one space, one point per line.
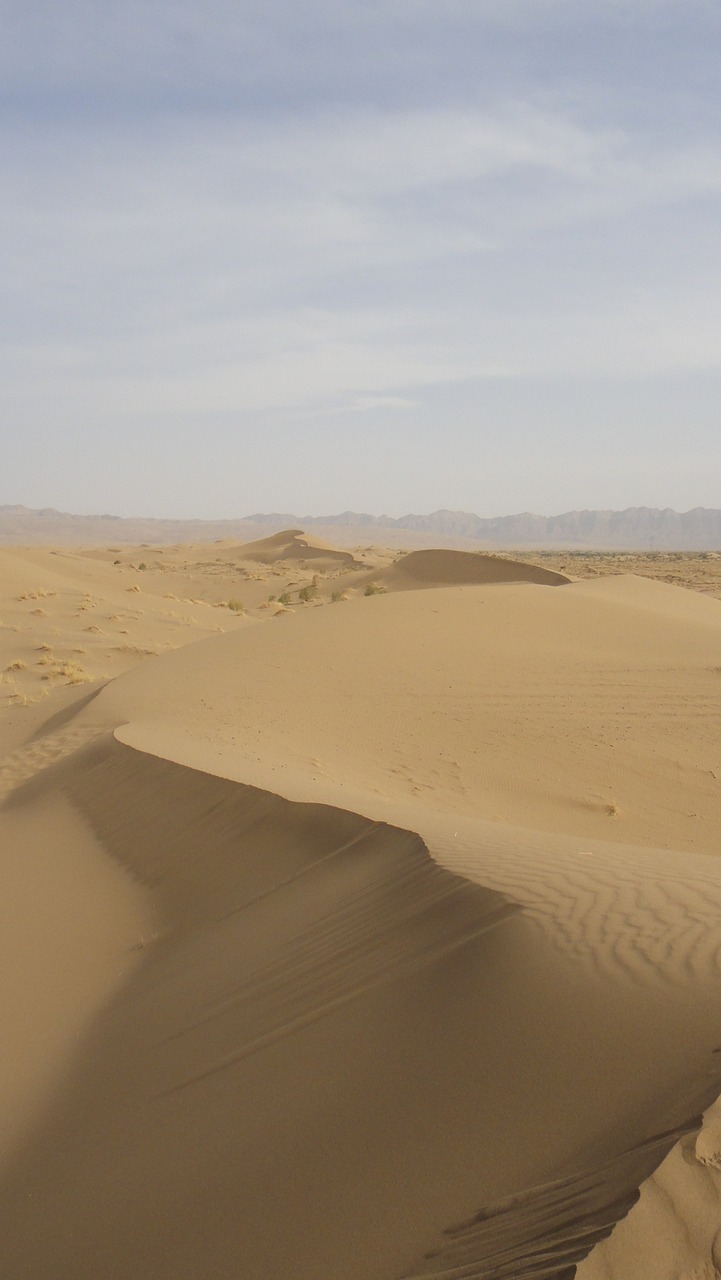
378 937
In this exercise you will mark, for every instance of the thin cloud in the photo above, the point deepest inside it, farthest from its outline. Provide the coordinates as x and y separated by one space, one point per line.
352 211
368 404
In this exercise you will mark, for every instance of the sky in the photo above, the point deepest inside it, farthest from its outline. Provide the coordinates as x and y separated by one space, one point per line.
378 255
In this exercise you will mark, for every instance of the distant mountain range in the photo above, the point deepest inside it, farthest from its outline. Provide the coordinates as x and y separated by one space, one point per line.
636 528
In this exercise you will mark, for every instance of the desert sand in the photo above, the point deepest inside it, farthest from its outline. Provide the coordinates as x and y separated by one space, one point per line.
361 915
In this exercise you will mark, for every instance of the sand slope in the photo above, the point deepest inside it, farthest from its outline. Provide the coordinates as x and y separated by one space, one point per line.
675 1229
432 975
71 618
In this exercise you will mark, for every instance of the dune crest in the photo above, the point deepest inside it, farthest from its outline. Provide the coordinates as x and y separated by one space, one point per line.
563 710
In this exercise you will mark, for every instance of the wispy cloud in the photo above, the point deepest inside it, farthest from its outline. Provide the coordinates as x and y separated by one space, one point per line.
265 264
344 209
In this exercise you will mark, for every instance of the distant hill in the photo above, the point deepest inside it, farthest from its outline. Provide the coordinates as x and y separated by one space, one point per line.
637 528
23 526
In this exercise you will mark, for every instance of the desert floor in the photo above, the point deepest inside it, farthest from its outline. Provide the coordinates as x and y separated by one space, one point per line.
361 913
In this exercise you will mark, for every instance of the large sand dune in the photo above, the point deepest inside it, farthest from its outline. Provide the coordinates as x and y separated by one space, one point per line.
445 568
594 709
387 944
294 544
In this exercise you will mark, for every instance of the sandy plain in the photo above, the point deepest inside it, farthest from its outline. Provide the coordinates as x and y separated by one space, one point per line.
361 914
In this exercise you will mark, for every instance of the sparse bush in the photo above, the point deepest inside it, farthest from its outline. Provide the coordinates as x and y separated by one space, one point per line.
142 566
284 598
306 594
374 589
236 606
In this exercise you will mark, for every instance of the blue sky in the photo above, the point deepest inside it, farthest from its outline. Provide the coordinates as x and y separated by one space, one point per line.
385 256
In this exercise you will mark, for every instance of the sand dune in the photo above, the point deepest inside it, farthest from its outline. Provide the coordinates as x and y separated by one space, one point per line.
441 568
294 544
320 986
405 927
581 710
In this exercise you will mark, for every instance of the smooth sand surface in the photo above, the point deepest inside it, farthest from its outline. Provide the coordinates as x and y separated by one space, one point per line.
382 940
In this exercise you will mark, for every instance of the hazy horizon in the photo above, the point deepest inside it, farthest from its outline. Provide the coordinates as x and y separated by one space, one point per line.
387 258
330 517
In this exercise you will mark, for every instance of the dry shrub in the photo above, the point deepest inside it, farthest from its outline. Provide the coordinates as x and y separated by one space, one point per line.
72 673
